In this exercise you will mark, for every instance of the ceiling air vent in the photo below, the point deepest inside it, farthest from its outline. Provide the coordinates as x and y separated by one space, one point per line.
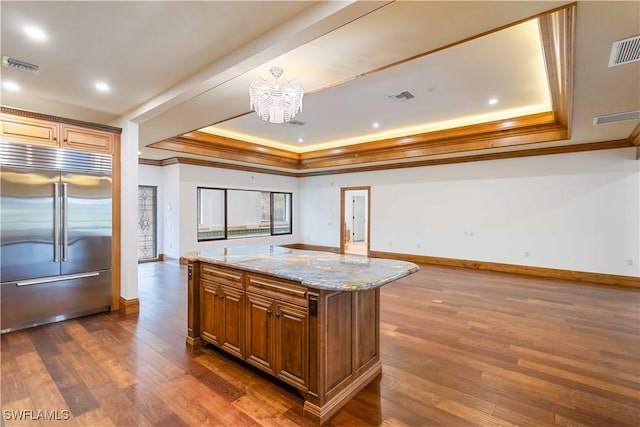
402 96
625 51
19 65
618 117
296 123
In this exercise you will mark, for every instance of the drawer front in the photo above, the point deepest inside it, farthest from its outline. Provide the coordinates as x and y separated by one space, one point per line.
278 289
221 275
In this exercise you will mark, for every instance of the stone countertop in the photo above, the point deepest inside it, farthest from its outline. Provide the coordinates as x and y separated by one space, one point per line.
315 269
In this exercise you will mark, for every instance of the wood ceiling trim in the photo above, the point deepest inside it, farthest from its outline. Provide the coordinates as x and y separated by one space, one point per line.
575 148
557 31
237 144
495 139
529 129
442 136
221 165
215 150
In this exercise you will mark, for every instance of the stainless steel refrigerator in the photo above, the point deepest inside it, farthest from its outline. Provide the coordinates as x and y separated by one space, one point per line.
55 234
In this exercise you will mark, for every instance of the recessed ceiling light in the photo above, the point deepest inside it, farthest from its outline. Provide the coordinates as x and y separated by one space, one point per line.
376 125
12 86
300 140
493 101
35 33
103 87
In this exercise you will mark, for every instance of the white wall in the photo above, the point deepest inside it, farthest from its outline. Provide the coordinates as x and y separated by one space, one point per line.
177 189
578 211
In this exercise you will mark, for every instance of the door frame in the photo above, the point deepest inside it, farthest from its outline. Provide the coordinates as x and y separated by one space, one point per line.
343 191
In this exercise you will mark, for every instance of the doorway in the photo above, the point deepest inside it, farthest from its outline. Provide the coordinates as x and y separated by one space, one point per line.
354 217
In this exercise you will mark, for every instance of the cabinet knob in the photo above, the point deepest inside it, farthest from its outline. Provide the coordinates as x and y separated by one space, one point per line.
269 312
55 138
65 140
277 314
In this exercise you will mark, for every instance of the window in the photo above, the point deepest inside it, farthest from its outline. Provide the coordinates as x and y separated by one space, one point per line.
234 214
281 213
147 223
212 223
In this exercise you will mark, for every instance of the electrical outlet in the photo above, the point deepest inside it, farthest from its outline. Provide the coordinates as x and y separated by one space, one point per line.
526 253
418 245
390 243
629 262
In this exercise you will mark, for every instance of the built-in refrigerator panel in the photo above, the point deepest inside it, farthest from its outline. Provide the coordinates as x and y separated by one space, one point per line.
55 234
28 223
86 223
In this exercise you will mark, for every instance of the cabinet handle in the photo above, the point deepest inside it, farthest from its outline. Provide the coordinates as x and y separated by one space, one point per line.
269 312
277 314
65 140
55 138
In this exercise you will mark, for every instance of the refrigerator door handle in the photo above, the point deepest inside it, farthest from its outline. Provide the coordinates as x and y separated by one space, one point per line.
56 222
65 222
56 278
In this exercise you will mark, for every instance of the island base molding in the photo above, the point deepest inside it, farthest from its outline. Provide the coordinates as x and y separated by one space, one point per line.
323 413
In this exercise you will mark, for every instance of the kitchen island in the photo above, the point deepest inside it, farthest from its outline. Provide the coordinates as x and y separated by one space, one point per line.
309 318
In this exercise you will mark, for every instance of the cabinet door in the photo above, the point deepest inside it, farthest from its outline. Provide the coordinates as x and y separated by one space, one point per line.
232 333
77 138
211 315
292 344
259 332
29 131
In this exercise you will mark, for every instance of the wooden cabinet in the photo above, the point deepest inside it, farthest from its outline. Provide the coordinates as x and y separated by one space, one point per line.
77 138
222 313
277 337
260 332
324 343
27 130
292 344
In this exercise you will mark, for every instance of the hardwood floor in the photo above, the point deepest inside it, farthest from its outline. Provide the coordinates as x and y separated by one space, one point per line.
459 348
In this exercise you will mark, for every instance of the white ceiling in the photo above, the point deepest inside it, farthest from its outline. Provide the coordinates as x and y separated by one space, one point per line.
179 66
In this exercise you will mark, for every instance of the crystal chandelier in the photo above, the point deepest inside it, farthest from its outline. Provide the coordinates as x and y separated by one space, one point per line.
277 100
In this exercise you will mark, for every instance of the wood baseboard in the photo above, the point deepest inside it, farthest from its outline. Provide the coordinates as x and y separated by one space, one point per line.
313 247
160 257
551 273
129 306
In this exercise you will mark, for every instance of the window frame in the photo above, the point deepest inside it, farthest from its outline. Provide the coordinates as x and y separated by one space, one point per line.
226 235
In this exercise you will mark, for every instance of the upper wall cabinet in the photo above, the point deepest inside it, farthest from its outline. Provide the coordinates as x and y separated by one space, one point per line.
78 138
36 131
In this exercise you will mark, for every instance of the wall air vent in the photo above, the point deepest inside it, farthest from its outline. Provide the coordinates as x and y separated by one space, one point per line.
402 96
295 123
625 51
618 117
19 65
